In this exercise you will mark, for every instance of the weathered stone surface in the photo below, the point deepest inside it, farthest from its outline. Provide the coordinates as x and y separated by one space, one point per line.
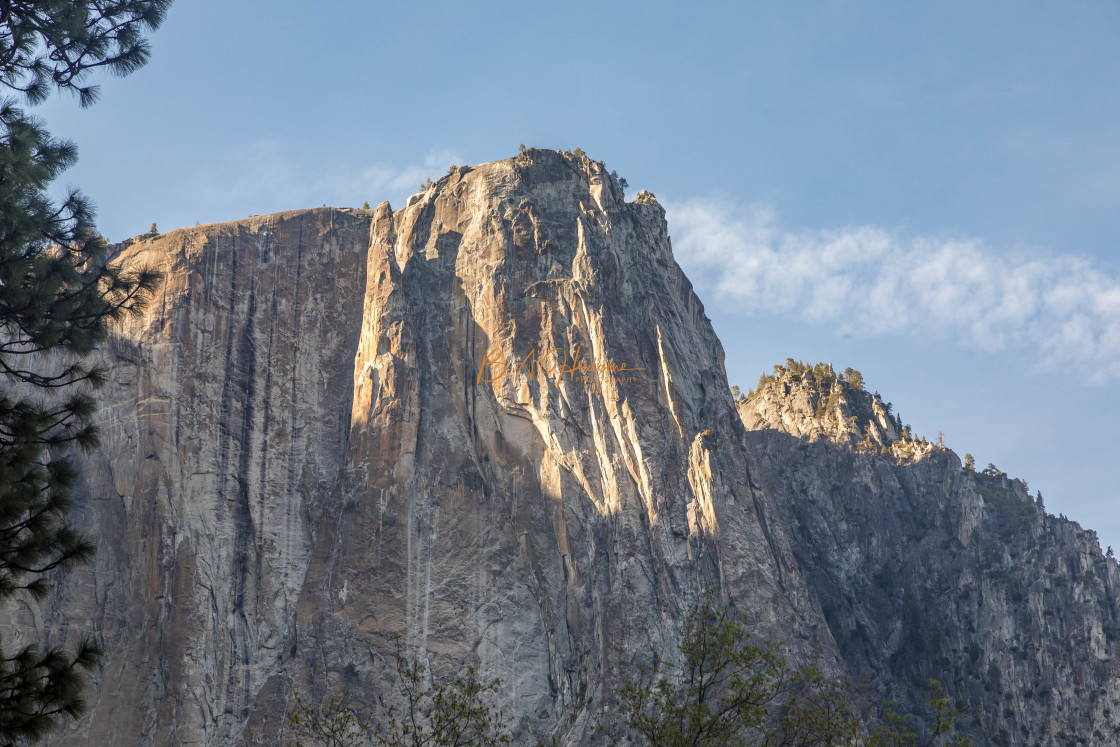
923 569
333 427
223 430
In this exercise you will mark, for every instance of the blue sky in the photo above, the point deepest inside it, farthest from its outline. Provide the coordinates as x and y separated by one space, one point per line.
928 194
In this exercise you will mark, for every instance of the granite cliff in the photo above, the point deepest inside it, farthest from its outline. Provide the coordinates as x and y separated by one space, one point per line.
496 423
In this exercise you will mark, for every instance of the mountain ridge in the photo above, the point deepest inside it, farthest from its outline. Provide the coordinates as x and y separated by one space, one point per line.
927 569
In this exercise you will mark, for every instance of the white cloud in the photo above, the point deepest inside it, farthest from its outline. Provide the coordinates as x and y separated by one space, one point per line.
873 281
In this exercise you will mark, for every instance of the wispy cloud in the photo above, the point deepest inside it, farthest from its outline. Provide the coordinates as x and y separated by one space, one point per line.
269 176
873 281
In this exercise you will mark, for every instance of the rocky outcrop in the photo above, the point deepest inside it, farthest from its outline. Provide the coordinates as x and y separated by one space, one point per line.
924 569
813 402
481 423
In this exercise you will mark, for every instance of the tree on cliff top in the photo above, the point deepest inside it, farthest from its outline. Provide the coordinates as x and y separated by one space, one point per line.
58 296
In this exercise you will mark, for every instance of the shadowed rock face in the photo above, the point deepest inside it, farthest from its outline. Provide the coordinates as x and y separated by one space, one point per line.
495 423
224 426
923 569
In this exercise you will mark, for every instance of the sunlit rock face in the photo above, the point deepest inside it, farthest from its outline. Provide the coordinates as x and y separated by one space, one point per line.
495 423
926 570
